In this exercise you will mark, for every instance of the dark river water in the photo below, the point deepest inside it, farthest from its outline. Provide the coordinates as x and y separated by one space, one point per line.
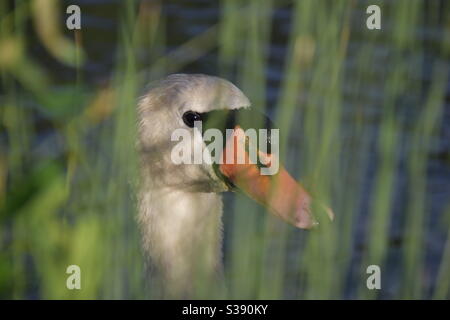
187 19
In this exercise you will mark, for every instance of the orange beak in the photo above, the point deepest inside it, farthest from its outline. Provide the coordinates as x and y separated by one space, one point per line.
280 193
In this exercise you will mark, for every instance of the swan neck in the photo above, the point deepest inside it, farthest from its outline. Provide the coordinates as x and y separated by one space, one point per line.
182 234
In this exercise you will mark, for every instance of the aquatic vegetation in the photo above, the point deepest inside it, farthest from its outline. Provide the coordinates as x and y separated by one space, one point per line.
364 118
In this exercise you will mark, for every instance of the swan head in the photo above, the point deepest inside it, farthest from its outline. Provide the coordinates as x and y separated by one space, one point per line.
174 105
160 114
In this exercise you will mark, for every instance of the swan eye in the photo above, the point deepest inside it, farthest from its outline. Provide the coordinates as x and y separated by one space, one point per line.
189 117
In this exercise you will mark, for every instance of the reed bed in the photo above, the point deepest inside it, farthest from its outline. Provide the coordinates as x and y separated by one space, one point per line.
360 112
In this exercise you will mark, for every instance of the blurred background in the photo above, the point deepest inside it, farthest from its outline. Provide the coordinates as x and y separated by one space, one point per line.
365 124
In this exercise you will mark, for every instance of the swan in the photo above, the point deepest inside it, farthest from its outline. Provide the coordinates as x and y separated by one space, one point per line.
180 205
